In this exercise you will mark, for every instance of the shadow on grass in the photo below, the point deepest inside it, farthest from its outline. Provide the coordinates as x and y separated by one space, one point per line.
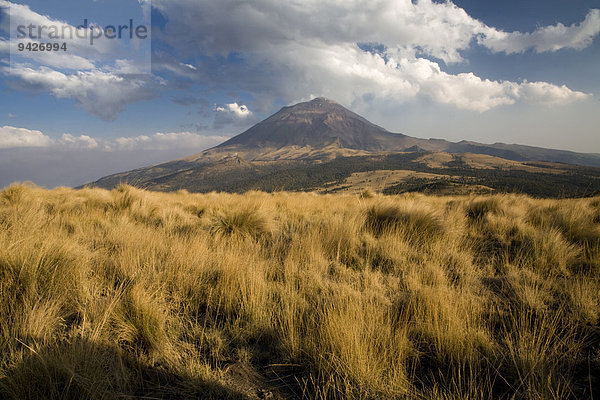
84 370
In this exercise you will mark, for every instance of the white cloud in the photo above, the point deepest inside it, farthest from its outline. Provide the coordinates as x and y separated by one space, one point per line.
547 38
21 137
225 26
12 137
232 114
103 78
100 93
441 30
294 49
470 92
80 55
545 93
78 142
164 141
234 109
348 74
88 47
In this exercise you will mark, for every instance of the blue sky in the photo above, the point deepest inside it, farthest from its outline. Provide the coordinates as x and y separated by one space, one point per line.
513 71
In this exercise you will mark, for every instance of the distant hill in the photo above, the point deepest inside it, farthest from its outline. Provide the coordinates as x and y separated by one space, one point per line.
320 145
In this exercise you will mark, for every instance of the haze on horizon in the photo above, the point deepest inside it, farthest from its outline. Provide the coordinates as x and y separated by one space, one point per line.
472 70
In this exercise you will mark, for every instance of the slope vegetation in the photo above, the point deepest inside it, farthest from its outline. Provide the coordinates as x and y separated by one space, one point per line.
435 173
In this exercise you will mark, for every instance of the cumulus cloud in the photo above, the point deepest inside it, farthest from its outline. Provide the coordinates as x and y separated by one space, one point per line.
21 137
237 110
545 93
441 30
348 74
102 78
225 26
81 56
292 50
547 38
232 114
470 92
100 93
83 52
78 142
12 137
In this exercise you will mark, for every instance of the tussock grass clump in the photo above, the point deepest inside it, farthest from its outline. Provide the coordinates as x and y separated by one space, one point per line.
541 354
366 342
141 324
575 221
340 239
584 300
133 294
553 254
13 194
368 193
416 221
477 209
123 197
250 222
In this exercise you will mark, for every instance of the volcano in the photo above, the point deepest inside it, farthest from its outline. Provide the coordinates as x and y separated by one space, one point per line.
319 123
320 129
321 145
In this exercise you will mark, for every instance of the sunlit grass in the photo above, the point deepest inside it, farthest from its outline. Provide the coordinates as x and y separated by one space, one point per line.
134 294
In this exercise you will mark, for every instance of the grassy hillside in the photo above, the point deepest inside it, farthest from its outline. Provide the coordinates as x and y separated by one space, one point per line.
234 175
131 294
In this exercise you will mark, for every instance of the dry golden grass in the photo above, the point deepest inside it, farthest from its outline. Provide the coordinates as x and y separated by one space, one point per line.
133 294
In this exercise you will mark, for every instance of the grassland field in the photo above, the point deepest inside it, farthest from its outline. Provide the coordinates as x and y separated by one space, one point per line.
129 294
